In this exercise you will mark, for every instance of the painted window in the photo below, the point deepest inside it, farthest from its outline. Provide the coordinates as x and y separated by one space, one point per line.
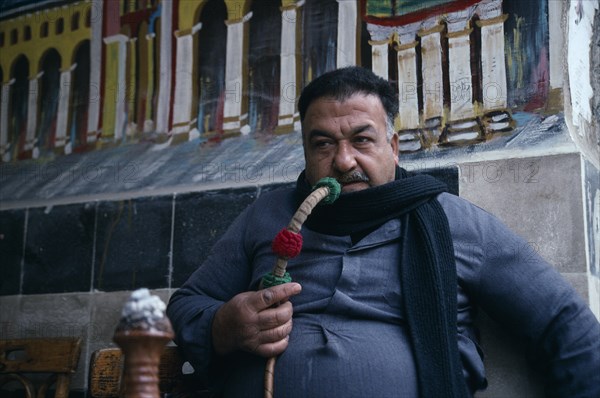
60 26
44 30
75 21
14 36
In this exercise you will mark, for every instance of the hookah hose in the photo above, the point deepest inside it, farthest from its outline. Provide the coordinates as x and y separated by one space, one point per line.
287 244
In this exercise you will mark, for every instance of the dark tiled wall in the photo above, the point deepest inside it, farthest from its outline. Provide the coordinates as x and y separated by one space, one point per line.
200 219
153 242
12 225
58 246
133 241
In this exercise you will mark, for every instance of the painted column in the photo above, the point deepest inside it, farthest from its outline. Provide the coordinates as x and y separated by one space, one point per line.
148 122
493 70
233 120
288 74
459 57
164 82
62 116
408 88
131 79
346 32
492 57
463 125
4 98
113 122
556 44
32 119
182 109
95 72
433 82
556 41
380 41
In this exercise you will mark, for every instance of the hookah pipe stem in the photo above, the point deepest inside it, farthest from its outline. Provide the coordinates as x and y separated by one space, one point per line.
298 219
287 244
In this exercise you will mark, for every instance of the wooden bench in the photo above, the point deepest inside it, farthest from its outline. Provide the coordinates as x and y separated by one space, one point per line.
106 369
56 356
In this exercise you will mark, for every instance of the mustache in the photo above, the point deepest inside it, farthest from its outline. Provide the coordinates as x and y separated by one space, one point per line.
353 176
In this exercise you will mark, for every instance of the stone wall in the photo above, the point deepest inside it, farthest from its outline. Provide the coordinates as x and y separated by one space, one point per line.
540 198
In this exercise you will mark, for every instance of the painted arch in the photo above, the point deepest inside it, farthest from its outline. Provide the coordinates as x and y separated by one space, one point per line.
211 43
264 63
319 41
18 105
48 98
80 96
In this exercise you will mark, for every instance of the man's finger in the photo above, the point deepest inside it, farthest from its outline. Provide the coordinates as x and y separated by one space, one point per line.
276 334
276 294
275 316
268 350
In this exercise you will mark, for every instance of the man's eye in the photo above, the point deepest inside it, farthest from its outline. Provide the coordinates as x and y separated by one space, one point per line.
322 144
362 140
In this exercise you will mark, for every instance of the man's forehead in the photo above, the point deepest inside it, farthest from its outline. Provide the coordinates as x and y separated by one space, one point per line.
355 112
342 99
359 102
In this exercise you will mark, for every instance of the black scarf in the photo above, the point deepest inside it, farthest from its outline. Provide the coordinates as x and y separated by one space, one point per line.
428 270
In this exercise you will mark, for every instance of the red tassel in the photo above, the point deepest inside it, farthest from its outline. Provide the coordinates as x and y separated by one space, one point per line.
287 244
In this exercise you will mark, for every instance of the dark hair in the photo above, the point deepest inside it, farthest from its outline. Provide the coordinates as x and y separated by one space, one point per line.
340 84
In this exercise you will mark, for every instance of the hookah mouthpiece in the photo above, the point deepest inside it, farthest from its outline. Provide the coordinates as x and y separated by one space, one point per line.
288 242
334 189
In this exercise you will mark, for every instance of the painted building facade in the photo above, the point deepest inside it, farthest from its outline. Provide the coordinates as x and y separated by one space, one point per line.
82 75
77 73
450 66
48 81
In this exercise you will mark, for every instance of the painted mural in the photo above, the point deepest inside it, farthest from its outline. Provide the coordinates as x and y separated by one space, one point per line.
83 75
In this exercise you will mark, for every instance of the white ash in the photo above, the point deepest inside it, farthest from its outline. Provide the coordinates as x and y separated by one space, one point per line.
143 307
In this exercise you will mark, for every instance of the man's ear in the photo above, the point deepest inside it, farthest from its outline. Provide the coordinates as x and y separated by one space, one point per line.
394 144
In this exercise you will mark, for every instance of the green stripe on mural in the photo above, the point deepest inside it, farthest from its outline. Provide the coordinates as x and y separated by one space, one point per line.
383 8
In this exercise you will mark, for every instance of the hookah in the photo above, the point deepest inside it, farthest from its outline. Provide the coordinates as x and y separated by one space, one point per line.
288 244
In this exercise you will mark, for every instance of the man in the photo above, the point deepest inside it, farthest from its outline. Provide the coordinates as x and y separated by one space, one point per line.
387 281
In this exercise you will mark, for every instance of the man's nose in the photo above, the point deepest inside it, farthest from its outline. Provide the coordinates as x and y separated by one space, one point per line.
344 159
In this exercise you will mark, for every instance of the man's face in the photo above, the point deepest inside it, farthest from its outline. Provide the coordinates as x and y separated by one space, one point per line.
347 141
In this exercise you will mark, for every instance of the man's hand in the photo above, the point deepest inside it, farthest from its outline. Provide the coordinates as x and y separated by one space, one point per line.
249 322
